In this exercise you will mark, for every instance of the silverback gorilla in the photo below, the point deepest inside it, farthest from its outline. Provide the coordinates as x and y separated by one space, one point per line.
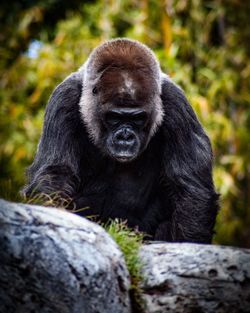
120 138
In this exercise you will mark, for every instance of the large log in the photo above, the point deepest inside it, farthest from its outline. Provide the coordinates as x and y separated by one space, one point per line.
54 261
192 278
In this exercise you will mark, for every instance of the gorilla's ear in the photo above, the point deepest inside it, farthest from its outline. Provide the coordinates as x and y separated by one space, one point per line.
188 151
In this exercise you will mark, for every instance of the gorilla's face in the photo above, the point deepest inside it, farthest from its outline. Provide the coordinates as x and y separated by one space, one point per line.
125 132
126 110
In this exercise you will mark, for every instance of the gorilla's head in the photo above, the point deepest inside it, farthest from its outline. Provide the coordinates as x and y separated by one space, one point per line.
120 103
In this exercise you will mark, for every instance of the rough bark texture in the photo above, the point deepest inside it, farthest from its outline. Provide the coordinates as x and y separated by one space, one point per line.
192 278
54 261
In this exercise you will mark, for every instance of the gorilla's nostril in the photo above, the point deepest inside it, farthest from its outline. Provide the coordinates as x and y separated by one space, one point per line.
125 135
129 136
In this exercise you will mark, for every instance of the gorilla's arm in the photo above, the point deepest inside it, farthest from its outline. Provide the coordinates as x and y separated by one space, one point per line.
57 161
187 171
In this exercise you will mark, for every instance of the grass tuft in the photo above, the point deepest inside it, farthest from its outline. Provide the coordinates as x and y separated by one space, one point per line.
129 241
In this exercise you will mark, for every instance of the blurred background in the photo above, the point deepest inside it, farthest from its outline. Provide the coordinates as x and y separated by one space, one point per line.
204 46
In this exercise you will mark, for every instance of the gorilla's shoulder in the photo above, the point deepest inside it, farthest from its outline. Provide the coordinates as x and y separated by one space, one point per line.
169 89
71 84
67 94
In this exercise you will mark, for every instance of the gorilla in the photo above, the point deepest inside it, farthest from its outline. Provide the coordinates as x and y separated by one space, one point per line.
120 139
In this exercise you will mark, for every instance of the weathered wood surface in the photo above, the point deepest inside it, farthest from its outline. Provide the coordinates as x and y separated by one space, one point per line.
54 261
192 278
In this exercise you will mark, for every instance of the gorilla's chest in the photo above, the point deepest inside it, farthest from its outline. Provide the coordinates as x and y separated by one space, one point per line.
130 190
121 189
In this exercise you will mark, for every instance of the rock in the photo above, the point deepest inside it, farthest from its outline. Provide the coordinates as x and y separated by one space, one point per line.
195 278
55 261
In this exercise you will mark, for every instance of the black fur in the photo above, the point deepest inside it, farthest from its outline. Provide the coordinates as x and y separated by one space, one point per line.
167 192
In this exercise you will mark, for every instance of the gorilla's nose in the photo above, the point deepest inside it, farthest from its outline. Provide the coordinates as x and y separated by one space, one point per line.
125 136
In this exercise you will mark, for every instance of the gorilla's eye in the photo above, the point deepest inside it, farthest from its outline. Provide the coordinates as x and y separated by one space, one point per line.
94 91
112 118
140 119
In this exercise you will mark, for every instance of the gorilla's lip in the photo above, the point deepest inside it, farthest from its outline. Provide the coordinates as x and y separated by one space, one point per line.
122 153
123 157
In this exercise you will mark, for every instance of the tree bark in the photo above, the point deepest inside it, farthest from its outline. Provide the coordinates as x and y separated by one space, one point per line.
193 278
55 261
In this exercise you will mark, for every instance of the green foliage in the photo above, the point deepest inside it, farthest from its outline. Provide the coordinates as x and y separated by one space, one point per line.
129 241
202 45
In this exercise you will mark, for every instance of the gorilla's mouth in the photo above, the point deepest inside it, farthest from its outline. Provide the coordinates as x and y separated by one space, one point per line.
123 155
123 150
